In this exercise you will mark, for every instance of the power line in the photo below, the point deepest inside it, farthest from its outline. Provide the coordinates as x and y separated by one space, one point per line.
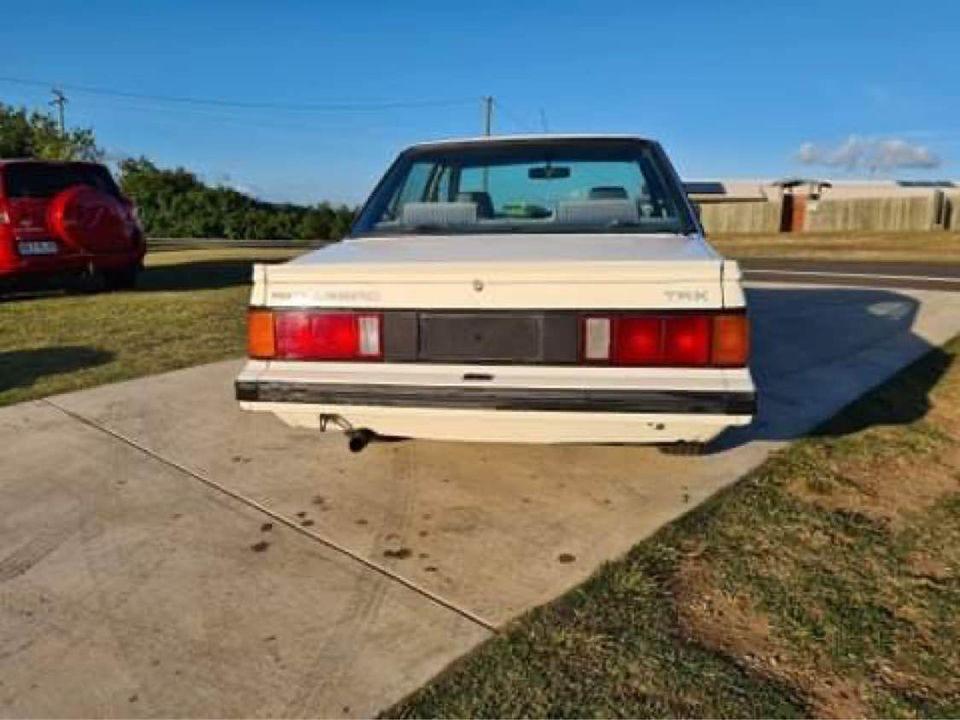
240 105
254 119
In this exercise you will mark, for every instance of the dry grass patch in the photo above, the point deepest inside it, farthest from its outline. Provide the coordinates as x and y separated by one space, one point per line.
886 484
848 590
729 623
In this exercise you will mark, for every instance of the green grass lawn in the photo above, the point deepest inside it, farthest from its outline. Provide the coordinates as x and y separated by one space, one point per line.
827 582
188 308
939 247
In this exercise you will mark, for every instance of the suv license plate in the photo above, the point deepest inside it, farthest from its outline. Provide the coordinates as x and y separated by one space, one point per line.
37 247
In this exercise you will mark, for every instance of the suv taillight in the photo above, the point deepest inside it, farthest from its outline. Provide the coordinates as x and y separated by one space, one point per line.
314 335
676 340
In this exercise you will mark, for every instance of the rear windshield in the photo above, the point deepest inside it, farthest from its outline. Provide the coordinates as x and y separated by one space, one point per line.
550 186
41 180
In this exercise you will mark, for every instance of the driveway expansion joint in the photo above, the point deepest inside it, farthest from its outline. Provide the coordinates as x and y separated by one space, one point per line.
376 567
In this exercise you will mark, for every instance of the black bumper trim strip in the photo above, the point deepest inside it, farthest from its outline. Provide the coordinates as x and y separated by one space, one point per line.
544 399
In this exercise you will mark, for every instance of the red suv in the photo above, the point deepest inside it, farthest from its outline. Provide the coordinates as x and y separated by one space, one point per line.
66 218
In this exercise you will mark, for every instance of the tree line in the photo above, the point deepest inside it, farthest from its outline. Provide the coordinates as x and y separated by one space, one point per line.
173 202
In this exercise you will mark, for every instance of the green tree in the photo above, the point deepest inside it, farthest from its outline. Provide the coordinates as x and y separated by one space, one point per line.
313 225
176 203
36 135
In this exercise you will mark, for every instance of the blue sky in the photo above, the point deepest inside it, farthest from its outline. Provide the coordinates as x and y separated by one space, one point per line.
732 89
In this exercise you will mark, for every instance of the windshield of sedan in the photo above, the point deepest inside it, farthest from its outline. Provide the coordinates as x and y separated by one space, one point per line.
521 187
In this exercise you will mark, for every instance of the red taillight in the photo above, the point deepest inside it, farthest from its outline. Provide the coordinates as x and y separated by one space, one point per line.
686 340
308 335
681 340
638 341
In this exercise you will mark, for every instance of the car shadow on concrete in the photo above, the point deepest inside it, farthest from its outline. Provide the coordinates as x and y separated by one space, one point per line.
22 368
886 405
816 350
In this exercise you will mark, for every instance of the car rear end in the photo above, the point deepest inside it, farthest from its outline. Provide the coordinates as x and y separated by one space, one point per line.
524 351
64 218
545 329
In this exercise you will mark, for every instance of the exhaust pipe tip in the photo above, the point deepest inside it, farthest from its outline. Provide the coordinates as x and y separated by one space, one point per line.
359 439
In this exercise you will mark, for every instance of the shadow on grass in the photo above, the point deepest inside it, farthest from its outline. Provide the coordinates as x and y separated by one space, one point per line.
901 401
183 276
22 368
200 275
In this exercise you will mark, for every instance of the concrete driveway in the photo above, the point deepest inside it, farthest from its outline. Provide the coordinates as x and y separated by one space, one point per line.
163 554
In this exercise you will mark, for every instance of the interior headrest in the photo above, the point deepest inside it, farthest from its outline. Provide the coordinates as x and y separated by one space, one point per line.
608 192
481 199
597 212
442 214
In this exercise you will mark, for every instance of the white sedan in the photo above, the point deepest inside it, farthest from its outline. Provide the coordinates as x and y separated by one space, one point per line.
553 289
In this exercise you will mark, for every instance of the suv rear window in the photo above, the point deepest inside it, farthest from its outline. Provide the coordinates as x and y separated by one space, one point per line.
44 180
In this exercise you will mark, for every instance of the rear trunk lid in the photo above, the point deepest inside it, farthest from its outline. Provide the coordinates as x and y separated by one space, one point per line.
500 272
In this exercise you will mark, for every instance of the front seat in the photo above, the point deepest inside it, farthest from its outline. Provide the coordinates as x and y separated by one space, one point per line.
608 192
481 199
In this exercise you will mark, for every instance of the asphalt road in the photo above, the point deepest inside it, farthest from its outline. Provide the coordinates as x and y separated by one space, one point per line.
919 276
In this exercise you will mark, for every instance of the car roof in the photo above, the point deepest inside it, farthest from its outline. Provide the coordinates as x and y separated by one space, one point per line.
546 138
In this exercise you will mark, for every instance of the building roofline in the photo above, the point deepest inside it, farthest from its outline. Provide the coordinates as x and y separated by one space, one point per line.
895 182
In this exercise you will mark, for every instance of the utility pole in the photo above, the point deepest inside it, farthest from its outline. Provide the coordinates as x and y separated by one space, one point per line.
59 99
543 120
487 114
487 128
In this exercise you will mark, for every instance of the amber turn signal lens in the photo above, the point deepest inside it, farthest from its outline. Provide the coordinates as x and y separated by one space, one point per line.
260 339
731 340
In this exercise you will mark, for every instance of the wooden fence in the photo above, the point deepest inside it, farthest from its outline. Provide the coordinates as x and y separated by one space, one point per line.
745 217
894 214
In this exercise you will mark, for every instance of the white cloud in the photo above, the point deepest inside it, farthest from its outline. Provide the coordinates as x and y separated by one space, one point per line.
872 154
